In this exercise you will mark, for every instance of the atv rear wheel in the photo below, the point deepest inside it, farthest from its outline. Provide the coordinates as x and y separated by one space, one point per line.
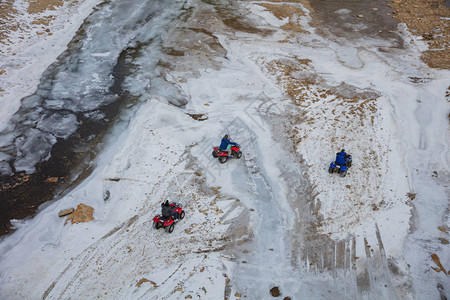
223 159
238 154
170 228
349 164
343 173
215 154
182 215
158 225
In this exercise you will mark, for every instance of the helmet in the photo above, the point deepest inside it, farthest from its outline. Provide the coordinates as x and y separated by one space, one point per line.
226 136
166 202
342 150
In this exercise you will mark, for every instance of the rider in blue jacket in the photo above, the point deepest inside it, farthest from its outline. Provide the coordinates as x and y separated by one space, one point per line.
342 157
226 144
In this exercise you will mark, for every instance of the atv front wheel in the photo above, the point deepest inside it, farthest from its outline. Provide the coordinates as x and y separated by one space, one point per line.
215 154
343 173
239 154
171 228
182 215
330 170
223 159
349 164
158 225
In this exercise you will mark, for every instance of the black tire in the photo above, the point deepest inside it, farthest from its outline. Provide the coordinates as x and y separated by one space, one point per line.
343 173
349 164
170 228
330 170
158 225
215 154
223 159
182 215
238 154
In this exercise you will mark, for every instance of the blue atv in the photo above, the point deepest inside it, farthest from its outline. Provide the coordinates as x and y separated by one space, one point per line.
341 164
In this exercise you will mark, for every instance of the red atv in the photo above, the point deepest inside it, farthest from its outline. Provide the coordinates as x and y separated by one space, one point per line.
168 223
223 155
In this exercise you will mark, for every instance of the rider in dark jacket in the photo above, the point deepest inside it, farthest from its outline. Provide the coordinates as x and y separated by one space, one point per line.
226 144
342 157
166 210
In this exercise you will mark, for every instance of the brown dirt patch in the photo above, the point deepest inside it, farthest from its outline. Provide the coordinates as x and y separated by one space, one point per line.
305 91
428 19
7 20
282 11
38 6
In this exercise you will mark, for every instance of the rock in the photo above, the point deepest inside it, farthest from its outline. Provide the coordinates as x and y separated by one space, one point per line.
142 281
437 261
360 16
411 196
146 280
287 298
52 179
441 228
65 212
237 295
436 269
275 292
2 72
374 9
113 179
443 241
83 213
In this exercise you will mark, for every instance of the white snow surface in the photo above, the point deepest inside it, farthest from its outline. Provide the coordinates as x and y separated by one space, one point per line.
242 232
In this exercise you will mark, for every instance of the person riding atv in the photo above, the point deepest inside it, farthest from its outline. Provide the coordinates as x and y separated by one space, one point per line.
226 144
167 210
342 158
341 164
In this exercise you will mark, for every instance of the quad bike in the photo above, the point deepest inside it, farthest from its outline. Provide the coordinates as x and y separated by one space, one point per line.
222 156
168 223
340 169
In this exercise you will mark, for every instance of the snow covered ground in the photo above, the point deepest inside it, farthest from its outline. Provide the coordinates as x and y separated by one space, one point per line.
276 217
